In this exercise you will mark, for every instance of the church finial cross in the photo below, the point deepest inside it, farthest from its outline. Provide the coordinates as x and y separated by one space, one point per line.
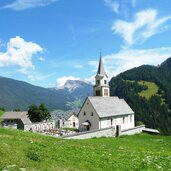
100 52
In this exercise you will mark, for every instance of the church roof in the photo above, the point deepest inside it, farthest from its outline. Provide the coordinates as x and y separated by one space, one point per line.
17 115
101 70
110 106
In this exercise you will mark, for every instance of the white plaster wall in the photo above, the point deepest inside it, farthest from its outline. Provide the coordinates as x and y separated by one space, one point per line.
117 120
69 122
128 124
102 80
94 120
105 123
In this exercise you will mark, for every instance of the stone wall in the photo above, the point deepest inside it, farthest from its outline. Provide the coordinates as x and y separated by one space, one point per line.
106 132
39 127
132 131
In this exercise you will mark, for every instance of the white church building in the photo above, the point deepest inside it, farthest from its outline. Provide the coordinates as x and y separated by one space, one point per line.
102 110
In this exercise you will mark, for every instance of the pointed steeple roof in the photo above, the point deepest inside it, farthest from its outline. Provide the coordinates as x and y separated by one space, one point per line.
101 70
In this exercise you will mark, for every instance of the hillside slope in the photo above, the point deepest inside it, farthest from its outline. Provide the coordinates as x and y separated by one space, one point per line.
152 109
19 94
37 152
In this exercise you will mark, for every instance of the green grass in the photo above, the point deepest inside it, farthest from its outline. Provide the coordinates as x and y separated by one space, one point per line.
1 113
35 152
152 89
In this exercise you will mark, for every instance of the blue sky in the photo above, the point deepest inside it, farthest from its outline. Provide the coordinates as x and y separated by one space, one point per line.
46 42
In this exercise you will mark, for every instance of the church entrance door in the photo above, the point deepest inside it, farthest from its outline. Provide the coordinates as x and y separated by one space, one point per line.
88 127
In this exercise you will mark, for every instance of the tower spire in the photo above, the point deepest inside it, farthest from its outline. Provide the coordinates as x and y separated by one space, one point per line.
101 87
101 70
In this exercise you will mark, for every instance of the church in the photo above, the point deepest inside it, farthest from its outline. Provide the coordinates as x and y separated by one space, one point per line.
102 110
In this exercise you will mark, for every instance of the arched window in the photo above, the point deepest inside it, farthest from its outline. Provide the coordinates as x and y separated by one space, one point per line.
84 113
97 82
92 113
130 118
123 120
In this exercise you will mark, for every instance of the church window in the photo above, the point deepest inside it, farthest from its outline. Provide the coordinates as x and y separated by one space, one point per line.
111 121
91 113
98 82
130 118
105 92
84 113
97 92
105 82
123 119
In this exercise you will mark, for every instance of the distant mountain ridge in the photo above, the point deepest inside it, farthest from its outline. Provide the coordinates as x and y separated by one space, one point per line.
19 94
76 91
73 85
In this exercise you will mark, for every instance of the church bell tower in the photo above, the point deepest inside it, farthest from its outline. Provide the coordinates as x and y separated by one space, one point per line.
101 87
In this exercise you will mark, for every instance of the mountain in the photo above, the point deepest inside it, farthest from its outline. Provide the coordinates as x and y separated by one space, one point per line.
74 85
76 91
19 94
147 89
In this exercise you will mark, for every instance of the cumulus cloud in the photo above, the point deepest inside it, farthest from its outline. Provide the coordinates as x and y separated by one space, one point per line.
145 24
27 4
113 4
130 58
19 53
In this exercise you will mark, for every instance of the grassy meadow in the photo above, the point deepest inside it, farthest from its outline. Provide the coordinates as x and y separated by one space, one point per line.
29 151
152 89
1 113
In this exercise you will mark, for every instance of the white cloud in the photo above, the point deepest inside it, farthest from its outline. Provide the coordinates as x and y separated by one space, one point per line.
113 4
38 77
19 53
130 58
91 79
78 66
93 63
27 4
145 24
41 59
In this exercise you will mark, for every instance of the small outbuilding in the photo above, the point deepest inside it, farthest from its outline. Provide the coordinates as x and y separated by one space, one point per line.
15 119
71 121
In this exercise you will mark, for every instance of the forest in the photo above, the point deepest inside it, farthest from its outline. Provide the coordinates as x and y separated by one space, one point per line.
154 111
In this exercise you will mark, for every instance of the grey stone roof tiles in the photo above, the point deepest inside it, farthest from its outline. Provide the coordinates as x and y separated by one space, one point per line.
17 115
101 70
110 106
